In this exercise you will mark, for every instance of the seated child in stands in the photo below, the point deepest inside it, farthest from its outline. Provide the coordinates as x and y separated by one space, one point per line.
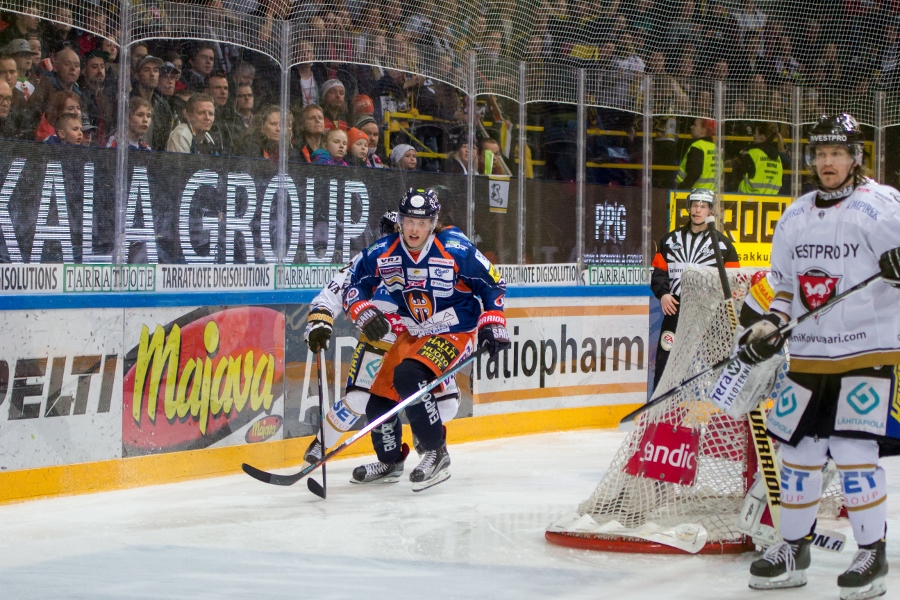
333 151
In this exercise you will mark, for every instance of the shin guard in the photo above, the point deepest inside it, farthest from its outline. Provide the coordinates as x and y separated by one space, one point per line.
386 438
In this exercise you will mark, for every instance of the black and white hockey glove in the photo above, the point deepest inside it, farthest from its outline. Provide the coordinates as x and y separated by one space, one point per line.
370 320
492 331
319 325
754 349
889 263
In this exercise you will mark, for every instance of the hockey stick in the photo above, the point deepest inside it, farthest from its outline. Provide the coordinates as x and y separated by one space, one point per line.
312 484
276 479
756 420
627 422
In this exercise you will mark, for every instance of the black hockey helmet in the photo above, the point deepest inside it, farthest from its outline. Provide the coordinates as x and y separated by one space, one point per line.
701 195
419 203
388 223
836 130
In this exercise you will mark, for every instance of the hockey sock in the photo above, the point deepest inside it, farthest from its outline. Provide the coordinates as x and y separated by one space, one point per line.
801 486
865 487
344 414
387 437
424 417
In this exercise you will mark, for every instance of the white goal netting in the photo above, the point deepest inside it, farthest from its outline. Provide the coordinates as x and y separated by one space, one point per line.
634 493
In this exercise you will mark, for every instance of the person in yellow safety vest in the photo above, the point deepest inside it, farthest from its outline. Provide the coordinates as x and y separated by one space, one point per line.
698 166
759 168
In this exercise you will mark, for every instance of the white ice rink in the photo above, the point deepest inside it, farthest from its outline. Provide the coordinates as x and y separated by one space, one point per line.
478 535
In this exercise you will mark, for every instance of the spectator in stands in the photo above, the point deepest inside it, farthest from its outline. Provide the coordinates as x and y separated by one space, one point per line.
223 129
201 63
309 76
719 70
147 76
24 23
99 103
362 105
457 161
140 117
334 105
169 74
59 33
490 159
8 129
333 150
243 108
698 166
403 157
750 18
787 68
193 137
9 72
112 64
88 133
757 94
66 71
369 126
357 148
138 52
368 75
68 131
20 51
243 73
759 169
312 131
262 139
60 103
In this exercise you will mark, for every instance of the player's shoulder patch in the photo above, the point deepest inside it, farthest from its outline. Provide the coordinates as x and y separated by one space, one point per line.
454 244
379 245
797 208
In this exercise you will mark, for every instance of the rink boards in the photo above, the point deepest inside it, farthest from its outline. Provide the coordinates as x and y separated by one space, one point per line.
104 391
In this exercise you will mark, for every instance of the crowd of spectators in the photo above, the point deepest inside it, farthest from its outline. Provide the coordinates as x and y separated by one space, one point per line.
358 59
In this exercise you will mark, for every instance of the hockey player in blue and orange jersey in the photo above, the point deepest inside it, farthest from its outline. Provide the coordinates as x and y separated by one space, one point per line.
367 356
440 282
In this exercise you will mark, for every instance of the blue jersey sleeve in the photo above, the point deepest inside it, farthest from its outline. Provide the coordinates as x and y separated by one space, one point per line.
485 281
364 277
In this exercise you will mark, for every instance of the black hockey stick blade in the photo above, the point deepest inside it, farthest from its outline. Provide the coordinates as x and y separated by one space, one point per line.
291 479
316 488
628 421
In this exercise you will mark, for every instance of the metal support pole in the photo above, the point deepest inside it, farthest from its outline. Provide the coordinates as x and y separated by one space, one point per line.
470 170
523 155
647 187
282 235
879 137
719 116
579 194
120 253
796 133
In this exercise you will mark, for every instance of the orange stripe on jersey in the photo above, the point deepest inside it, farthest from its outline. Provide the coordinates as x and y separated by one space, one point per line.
660 263
445 254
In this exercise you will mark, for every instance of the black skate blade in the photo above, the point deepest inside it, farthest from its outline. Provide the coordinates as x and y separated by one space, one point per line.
316 488
432 483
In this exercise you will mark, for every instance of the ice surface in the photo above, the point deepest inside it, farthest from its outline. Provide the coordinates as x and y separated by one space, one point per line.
478 535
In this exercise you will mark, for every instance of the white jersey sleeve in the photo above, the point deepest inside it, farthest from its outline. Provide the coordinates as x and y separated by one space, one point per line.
331 296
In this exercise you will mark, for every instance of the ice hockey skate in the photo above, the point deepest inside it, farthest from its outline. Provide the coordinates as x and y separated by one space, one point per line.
432 470
865 577
313 452
379 472
781 566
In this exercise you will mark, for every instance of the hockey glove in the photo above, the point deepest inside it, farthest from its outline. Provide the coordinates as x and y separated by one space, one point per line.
754 349
319 325
370 320
890 266
492 331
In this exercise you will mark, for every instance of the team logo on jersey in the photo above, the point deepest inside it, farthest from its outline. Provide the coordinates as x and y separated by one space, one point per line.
817 287
441 273
420 274
444 262
389 260
420 304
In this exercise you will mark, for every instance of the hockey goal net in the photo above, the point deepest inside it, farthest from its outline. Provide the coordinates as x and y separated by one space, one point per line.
686 468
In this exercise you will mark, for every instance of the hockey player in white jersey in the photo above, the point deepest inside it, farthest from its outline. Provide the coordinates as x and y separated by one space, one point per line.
843 371
366 358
